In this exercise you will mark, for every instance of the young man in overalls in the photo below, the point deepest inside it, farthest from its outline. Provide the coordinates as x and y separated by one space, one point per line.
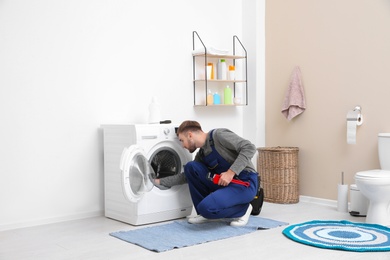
225 156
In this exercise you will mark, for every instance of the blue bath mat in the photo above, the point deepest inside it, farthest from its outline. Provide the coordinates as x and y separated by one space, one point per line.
180 233
341 235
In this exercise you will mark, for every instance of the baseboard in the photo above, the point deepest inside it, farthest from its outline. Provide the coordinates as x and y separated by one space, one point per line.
319 201
51 220
306 199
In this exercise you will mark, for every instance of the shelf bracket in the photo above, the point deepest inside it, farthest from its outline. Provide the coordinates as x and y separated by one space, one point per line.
194 33
236 39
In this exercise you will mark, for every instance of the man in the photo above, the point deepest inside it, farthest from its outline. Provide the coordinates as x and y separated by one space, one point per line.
223 154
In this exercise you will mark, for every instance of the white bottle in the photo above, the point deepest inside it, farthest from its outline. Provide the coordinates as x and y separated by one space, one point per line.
154 111
222 70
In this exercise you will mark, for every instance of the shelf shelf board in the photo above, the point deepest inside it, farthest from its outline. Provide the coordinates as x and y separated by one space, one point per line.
220 56
221 105
219 80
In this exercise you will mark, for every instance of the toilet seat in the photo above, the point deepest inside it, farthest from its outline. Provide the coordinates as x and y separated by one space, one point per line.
373 174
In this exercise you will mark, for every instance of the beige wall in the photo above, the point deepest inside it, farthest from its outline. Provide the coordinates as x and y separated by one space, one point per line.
343 50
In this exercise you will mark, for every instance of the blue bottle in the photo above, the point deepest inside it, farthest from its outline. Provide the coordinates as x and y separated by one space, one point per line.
217 98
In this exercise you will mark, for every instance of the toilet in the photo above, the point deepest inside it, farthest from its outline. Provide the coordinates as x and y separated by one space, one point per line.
375 185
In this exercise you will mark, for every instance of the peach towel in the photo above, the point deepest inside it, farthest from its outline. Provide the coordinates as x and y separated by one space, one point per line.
294 102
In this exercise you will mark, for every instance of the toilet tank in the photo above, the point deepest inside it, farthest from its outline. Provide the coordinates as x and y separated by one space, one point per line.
384 150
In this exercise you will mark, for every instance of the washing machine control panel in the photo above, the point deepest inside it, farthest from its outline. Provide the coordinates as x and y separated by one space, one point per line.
166 131
153 132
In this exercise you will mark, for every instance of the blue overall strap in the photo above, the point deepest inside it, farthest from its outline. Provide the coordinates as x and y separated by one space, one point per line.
211 140
214 161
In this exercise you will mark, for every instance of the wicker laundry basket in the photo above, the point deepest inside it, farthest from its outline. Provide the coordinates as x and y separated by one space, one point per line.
278 169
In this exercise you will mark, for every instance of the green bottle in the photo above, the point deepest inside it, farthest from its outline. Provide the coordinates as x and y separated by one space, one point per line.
227 96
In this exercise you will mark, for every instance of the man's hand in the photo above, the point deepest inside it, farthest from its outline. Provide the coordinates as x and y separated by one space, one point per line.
226 178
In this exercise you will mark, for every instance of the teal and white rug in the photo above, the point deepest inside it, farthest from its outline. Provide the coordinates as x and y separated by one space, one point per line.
341 235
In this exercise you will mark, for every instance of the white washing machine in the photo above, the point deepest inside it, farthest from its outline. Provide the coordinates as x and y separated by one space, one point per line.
131 154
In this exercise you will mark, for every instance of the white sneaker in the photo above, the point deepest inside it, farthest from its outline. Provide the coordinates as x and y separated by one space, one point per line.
242 221
200 219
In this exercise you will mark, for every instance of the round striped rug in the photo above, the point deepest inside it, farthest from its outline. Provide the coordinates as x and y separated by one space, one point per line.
341 235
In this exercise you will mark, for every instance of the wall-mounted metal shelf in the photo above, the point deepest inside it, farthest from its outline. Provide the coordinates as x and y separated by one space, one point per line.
202 83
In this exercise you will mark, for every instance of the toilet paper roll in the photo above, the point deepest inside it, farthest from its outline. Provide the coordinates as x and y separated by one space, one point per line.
354 119
342 197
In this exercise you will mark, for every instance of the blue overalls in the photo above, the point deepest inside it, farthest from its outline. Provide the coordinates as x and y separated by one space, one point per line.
214 201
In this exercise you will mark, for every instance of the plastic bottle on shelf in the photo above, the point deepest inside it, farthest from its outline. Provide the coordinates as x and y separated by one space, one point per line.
210 71
222 70
232 72
154 111
217 98
227 95
210 99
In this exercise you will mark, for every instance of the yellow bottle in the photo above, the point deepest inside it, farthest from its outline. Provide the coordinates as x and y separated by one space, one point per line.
210 99
212 70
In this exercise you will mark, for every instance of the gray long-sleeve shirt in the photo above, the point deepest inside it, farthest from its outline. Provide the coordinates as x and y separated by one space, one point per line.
236 150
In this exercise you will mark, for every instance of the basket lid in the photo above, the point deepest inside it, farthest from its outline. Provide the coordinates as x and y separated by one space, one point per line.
278 149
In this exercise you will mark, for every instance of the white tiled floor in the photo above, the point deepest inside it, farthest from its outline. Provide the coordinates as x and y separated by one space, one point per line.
90 239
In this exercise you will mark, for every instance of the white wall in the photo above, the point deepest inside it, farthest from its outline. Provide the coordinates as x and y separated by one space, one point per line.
254 37
66 67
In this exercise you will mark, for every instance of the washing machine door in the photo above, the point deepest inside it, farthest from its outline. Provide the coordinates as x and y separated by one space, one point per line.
136 173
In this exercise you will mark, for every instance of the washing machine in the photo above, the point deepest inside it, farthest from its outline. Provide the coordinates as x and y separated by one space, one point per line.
132 155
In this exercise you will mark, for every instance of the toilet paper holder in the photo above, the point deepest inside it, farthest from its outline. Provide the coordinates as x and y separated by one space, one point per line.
359 119
359 108
354 119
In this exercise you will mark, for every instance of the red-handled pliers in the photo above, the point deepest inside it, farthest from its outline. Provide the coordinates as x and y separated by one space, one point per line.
216 177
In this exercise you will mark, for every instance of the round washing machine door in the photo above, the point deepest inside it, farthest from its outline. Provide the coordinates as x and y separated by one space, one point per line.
165 162
136 173
168 158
